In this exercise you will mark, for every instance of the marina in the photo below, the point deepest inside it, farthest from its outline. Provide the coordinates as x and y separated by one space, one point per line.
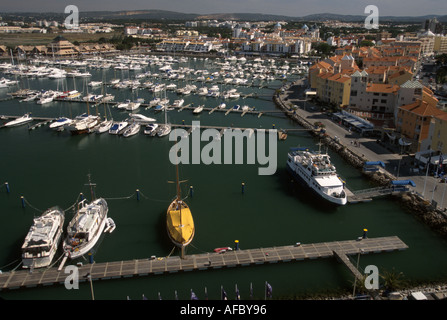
268 215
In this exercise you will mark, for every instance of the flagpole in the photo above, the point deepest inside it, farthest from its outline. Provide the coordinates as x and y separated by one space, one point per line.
443 192
434 184
426 175
265 291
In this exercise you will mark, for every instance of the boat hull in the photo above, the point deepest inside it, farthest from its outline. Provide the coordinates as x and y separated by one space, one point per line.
300 180
78 249
180 230
33 257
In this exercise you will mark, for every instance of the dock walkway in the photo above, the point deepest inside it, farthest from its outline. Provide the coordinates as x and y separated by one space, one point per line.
203 261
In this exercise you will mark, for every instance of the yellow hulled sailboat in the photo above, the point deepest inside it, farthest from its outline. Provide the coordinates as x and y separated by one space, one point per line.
179 221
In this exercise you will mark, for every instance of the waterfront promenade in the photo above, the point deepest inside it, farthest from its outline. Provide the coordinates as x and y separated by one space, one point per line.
398 166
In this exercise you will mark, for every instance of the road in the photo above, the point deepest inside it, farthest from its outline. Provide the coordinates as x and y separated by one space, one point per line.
400 166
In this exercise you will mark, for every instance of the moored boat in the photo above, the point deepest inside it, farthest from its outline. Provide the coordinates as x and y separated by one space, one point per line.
41 242
132 129
86 227
179 221
19 121
317 173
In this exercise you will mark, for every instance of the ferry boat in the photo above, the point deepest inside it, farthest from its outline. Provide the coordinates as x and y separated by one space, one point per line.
86 227
179 221
43 238
316 171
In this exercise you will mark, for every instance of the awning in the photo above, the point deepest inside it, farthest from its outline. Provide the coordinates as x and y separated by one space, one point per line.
403 183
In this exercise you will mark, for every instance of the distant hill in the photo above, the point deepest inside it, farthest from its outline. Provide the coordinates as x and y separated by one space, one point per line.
172 15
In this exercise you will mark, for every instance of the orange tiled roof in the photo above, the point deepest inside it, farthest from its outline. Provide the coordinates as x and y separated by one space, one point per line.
382 88
422 108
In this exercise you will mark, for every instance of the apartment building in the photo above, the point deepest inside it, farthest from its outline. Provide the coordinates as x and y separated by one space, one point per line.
414 121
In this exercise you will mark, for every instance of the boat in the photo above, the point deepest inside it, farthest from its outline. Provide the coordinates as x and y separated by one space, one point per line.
151 129
178 103
315 170
132 106
140 117
223 249
198 109
179 221
164 129
117 127
131 129
110 225
83 124
104 126
60 122
19 121
43 238
123 105
222 106
95 83
86 227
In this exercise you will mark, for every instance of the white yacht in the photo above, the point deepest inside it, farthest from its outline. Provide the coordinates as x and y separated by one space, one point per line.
43 238
316 172
104 126
85 228
163 130
19 121
60 122
131 129
140 117
198 109
151 129
117 127
83 124
178 103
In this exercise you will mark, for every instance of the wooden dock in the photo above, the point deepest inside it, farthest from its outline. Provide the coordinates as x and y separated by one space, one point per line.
203 261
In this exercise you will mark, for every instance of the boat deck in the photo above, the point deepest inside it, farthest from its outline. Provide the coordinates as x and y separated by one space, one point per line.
204 261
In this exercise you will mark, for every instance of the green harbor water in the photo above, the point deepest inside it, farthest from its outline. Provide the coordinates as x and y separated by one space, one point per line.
50 168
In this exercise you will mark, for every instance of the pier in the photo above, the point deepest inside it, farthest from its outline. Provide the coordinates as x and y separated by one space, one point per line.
367 195
204 261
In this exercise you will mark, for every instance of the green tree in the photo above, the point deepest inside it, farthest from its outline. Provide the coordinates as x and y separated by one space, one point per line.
393 280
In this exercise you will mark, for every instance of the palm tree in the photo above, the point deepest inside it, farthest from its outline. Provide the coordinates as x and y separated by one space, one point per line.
393 280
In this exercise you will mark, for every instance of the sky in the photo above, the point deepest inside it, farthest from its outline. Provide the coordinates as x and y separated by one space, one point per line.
292 8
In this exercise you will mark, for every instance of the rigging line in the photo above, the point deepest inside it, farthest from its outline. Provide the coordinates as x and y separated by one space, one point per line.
121 198
9 264
170 252
152 199
198 248
29 204
74 204
17 266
